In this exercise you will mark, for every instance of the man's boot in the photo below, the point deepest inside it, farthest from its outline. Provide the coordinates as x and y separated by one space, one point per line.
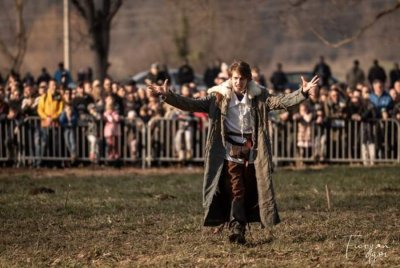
237 233
238 222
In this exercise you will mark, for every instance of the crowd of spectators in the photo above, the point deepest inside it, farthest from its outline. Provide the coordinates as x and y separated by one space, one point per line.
60 100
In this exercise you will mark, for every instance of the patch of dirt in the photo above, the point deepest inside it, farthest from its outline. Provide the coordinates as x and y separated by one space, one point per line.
41 190
97 172
390 189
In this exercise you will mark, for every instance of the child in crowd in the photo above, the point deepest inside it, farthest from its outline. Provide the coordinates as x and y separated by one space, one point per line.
93 119
111 129
68 121
131 126
303 118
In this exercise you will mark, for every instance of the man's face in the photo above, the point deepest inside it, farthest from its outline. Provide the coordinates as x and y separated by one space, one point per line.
154 70
185 91
239 83
27 91
393 94
355 97
107 84
378 88
334 96
397 87
79 91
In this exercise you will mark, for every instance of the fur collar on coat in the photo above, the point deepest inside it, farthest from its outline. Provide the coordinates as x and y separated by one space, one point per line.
225 89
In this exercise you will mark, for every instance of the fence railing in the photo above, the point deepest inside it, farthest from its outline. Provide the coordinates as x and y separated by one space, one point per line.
344 141
29 143
166 140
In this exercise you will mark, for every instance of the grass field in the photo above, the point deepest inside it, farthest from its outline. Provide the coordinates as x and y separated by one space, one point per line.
134 218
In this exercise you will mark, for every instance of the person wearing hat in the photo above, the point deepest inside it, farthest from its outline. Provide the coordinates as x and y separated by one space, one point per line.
238 187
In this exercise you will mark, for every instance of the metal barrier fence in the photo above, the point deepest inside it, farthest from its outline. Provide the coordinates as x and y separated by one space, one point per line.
167 140
339 141
29 144
166 137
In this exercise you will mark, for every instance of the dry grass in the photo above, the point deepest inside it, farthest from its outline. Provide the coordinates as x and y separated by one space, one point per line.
135 218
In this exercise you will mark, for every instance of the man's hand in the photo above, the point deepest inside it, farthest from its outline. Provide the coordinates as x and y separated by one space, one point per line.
310 87
156 90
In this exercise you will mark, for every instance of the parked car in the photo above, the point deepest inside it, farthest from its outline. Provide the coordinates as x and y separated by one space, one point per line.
294 79
173 73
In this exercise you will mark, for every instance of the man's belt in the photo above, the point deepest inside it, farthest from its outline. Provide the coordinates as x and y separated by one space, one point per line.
231 141
244 135
237 149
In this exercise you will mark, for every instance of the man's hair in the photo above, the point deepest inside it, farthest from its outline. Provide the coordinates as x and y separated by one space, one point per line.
243 68
377 81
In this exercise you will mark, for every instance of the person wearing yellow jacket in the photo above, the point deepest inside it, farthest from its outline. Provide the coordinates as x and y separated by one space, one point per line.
49 109
50 106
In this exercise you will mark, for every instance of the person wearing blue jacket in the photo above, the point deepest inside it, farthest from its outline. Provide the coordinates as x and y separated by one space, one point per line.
68 121
381 100
383 105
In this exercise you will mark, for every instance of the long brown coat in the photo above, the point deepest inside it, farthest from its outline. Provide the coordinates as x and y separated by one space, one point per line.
215 152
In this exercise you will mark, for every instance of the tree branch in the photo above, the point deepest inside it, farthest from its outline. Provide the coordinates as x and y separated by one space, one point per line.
21 35
115 9
297 3
5 51
79 7
98 20
350 39
14 56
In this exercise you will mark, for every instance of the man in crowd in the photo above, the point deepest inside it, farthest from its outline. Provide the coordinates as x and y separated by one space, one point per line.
81 100
394 75
376 72
44 76
355 76
212 72
62 75
383 105
185 73
323 71
49 109
258 77
153 76
238 186
381 100
279 79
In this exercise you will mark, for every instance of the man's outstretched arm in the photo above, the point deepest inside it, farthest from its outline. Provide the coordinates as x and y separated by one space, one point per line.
288 100
180 102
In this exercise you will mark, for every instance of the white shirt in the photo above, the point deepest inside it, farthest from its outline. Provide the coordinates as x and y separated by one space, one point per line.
239 119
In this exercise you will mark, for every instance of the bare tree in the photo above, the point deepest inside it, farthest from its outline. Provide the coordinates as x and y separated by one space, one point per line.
346 39
98 20
181 38
181 30
203 30
15 53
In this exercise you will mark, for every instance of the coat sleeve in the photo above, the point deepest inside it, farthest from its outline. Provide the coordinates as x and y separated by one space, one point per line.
40 108
188 104
60 108
285 101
